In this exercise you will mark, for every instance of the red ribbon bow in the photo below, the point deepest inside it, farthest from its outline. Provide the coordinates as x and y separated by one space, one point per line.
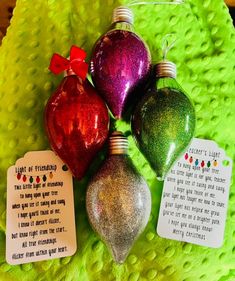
76 63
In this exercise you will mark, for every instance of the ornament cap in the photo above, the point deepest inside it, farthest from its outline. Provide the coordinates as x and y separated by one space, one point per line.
118 143
166 69
123 13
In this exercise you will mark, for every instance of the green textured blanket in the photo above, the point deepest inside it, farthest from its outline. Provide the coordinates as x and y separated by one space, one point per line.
205 56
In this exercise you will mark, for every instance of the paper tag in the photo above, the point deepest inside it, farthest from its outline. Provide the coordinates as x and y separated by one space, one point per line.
40 209
195 196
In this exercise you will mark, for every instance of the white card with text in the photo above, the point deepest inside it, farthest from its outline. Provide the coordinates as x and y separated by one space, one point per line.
195 196
40 209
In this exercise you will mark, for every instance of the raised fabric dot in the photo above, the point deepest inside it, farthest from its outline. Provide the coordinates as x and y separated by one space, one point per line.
134 276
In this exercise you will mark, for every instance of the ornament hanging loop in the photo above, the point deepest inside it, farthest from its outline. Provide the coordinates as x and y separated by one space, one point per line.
173 2
168 42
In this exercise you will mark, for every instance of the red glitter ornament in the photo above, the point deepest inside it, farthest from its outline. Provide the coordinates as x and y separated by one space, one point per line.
77 122
24 178
186 156
18 176
202 164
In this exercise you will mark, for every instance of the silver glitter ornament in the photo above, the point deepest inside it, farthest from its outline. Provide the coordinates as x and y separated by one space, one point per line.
118 200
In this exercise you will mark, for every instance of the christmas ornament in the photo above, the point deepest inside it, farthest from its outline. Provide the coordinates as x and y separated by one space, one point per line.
118 200
120 62
76 118
163 122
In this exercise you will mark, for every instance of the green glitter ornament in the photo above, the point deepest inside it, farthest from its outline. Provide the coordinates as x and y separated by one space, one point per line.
163 122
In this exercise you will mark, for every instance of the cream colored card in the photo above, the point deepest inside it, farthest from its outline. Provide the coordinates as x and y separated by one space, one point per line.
195 196
40 209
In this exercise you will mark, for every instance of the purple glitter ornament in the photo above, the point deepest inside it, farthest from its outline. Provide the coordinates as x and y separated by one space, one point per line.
120 62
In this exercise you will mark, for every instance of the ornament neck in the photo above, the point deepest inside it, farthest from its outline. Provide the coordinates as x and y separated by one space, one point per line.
122 25
168 82
118 144
69 72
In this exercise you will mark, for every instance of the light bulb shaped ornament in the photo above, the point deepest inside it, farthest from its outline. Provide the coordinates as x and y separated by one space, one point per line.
118 200
120 62
163 122
76 118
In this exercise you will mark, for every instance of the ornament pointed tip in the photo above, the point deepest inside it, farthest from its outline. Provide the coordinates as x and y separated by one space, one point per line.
118 114
119 255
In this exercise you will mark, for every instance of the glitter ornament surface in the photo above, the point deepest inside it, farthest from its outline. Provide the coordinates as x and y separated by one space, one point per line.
118 203
163 124
120 64
77 123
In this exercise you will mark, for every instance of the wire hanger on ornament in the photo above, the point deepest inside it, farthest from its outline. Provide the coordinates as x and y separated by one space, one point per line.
168 42
173 2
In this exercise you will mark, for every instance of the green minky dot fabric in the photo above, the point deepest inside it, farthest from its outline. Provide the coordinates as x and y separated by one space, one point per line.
205 57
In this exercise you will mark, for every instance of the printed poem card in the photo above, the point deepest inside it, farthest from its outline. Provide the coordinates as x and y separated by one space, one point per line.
40 209
195 196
